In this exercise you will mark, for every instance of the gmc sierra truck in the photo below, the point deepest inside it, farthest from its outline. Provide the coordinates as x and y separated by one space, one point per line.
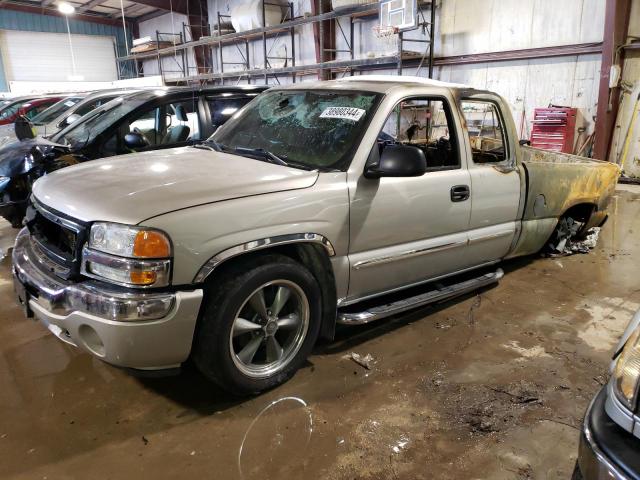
338 202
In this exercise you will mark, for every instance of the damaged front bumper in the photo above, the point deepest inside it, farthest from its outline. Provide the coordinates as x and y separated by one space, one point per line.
148 331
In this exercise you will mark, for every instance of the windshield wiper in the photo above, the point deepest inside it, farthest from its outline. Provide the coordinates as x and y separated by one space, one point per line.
261 152
218 147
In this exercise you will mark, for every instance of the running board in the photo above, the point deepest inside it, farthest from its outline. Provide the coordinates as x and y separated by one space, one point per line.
437 295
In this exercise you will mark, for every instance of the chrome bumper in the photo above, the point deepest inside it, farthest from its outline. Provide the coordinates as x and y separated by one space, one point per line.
593 462
125 328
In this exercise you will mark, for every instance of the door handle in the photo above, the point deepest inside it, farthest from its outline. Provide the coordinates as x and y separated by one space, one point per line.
460 193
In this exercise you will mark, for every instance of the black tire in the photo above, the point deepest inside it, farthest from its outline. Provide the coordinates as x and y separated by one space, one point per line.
223 300
14 215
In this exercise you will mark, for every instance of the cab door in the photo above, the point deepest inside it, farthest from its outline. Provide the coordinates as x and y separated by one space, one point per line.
495 178
408 230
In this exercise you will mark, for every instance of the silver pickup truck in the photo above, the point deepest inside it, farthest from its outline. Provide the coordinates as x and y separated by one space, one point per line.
316 204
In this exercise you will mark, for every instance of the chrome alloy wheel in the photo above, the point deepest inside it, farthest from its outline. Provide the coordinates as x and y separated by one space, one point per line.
269 328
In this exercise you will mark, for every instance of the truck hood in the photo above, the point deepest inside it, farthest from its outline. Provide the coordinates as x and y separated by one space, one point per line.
132 188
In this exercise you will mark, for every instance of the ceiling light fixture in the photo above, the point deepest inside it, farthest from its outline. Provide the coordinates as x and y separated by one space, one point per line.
66 8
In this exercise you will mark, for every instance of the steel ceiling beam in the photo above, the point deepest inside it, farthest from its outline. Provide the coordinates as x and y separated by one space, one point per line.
9 5
616 28
89 5
128 10
150 15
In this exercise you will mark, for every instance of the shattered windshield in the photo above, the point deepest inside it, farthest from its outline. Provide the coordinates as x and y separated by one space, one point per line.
81 133
55 110
313 128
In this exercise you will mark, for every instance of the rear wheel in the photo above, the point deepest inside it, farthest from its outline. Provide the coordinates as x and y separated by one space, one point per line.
259 324
567 231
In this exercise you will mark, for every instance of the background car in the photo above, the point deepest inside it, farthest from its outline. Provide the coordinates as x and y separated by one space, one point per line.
29 108
63 113
135 122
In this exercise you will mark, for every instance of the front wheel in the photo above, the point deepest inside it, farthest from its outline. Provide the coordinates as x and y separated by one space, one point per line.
259 324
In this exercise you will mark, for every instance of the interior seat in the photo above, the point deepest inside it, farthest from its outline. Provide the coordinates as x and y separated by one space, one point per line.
178 133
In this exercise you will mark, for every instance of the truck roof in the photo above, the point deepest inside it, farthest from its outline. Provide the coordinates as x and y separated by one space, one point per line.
380 83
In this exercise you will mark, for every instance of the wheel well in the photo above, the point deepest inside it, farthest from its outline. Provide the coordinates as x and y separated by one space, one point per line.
581 212
314 258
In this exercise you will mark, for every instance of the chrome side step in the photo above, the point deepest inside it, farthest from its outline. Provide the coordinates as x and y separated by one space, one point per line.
400 306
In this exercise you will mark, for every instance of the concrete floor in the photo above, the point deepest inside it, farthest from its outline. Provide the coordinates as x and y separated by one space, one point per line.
490 386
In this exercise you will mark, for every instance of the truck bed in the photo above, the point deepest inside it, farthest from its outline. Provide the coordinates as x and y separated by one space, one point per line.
559 181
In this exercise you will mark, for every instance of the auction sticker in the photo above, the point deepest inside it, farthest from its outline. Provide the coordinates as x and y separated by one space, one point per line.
345 113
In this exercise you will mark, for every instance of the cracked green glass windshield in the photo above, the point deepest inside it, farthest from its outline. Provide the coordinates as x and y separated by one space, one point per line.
315 129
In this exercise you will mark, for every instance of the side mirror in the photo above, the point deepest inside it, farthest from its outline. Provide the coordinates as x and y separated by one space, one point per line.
23 128
135 140
398 161
74 117
525 142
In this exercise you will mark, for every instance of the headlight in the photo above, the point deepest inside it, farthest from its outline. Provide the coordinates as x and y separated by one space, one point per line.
127 255
627 371
126 241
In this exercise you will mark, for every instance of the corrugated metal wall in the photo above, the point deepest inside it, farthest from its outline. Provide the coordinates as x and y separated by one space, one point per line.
33 22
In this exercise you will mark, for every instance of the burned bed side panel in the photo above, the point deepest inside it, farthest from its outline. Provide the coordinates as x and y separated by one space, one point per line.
555 183
558 182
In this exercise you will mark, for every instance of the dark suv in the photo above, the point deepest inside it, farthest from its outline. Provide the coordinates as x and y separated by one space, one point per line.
140 121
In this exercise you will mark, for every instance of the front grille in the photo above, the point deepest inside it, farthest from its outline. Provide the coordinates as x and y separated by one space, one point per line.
55 236
58 237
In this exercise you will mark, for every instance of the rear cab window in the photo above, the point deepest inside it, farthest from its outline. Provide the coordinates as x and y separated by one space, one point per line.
486 131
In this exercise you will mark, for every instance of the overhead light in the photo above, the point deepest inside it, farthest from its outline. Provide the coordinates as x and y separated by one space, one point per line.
66 8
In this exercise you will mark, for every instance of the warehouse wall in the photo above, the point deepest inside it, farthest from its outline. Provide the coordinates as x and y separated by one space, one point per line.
467 27
502 25
171 65
32 22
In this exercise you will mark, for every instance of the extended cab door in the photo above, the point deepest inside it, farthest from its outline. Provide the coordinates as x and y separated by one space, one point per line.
407 230
495 177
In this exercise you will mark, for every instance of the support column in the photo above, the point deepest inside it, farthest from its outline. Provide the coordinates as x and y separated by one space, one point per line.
616 27
4 85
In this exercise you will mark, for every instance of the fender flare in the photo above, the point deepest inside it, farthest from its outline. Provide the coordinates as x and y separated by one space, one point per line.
260 244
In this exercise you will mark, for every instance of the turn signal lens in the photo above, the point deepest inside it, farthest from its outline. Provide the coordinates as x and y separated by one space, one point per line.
143 278
627 371
151 244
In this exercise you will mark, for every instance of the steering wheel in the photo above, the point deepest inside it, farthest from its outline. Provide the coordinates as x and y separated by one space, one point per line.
144 138
443 143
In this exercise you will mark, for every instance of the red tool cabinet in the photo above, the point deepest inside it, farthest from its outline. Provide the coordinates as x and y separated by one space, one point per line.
554 129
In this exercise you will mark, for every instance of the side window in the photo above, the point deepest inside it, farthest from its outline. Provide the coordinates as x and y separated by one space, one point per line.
36 110
182 122
222 108
425 123
486 132
91 106
148 124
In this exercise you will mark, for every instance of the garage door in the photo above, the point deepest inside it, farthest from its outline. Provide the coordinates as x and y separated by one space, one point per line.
38 56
